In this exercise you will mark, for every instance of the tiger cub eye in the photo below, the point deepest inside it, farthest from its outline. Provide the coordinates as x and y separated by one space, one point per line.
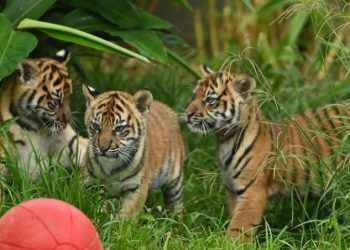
95 126
120 128
211 100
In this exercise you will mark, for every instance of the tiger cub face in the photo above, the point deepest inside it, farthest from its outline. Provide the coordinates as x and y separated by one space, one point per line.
221 99
116 124
42 93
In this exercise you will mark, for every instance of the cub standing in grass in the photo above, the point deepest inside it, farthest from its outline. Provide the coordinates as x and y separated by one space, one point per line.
37 96
259 158
135 144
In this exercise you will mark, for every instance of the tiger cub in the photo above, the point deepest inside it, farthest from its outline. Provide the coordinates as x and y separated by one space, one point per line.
259 158
135 144
37 96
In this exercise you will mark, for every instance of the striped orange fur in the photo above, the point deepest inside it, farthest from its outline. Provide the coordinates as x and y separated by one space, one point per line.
259 158
135 144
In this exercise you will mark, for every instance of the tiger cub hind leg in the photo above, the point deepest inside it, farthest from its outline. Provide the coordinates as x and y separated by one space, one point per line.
173 195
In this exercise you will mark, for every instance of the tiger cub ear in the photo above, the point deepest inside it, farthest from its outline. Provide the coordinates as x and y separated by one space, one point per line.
62 56
28 72
245 85
206 70
90 93
143 100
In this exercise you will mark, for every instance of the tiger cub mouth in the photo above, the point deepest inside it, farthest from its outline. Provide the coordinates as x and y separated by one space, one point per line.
200 125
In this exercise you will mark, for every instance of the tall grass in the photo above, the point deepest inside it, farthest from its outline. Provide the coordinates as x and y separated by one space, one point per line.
297 51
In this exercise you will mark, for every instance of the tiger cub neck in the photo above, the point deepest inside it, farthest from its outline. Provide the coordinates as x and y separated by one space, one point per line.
231 142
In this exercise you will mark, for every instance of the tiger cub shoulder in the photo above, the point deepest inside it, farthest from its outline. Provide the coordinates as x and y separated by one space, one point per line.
37 98
135 144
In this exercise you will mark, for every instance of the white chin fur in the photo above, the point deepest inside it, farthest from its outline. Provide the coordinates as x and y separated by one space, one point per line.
197 130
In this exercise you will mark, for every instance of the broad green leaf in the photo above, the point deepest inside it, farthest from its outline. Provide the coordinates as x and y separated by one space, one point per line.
145 41
122 13
77 36
14 45
183 3
86 21
17 10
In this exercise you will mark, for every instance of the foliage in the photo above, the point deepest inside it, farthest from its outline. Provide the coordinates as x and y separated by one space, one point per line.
71 20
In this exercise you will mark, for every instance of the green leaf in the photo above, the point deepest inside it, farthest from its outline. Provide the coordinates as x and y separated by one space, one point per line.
86 21
17 10
77 36
122 13
14 45
183 3
146 42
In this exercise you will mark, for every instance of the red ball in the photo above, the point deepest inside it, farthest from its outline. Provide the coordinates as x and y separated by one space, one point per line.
47 224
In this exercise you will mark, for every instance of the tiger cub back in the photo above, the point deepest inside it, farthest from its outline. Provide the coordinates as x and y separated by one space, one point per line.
37 94
135 144
259 158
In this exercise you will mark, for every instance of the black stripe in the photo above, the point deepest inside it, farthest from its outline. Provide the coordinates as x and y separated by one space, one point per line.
133 174
235 148
172 197
240 171
70 144
242 191
119 108
40 99
137 169
101 105
329 119
47 66
57 81
54 67
20 142
91 172
129 190
22 124
247 150
31 97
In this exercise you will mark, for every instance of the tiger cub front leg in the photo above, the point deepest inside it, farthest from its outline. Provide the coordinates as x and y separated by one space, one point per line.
231 201
248 209
133 199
